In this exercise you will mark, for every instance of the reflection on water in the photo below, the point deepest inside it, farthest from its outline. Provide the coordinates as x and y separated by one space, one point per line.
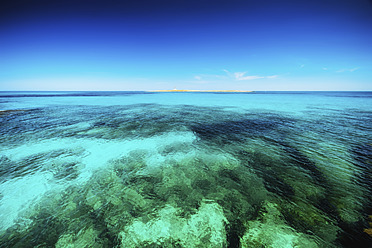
155 175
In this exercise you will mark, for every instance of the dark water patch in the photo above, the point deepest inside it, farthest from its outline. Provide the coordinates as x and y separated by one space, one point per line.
275 185
267 168
139 120
143 123
44 232
338 124
247 192
52 161
227 132
355 235
16 169
353 94
298 159
29 126
8 113
327 207
235 231
106 237
362 155
278 179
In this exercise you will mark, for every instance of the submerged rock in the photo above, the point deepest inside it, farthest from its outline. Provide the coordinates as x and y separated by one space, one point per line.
205 228
369 230
85 238
271 231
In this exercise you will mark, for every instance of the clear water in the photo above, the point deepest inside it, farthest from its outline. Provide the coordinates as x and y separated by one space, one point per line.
137 169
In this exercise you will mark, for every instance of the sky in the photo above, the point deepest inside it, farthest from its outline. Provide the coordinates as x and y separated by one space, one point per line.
204 44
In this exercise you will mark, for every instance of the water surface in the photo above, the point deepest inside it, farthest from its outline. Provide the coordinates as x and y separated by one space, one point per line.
139 169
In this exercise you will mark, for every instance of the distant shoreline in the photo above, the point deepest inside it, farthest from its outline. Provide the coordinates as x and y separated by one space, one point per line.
199 90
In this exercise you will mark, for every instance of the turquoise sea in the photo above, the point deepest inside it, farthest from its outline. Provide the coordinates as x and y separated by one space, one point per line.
141 169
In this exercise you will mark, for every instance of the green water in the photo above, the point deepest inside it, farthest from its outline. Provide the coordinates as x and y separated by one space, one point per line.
185 170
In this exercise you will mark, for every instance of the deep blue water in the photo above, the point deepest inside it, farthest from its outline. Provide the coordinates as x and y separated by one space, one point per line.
145 169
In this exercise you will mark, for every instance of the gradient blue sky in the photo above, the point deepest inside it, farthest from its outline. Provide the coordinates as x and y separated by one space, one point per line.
204 44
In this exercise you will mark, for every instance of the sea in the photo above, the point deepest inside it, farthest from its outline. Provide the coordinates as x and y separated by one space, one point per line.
186 169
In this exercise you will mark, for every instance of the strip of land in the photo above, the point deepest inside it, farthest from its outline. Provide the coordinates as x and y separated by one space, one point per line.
175 90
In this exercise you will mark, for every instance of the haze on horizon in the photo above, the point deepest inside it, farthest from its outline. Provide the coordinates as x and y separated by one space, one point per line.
203 45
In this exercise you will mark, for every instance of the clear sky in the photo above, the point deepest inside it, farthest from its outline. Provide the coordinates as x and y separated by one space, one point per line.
194 44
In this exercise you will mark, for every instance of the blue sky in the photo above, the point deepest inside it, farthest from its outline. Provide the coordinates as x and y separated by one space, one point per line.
145 45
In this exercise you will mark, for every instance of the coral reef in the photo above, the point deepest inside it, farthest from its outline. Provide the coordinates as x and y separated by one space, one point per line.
154 176
271 231
205 228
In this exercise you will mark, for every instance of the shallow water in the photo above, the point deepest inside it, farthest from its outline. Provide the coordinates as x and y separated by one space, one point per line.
137 169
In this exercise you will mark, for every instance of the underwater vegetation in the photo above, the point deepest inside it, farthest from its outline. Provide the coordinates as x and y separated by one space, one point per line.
369 230
149 175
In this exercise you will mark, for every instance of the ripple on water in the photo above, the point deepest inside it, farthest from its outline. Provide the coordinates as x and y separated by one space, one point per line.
186 176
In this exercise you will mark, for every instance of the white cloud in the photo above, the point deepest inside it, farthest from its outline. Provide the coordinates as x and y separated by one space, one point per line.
238 76
348 70
241 76
273 76
247 77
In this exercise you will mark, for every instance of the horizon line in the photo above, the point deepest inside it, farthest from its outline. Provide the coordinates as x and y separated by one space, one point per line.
180 91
